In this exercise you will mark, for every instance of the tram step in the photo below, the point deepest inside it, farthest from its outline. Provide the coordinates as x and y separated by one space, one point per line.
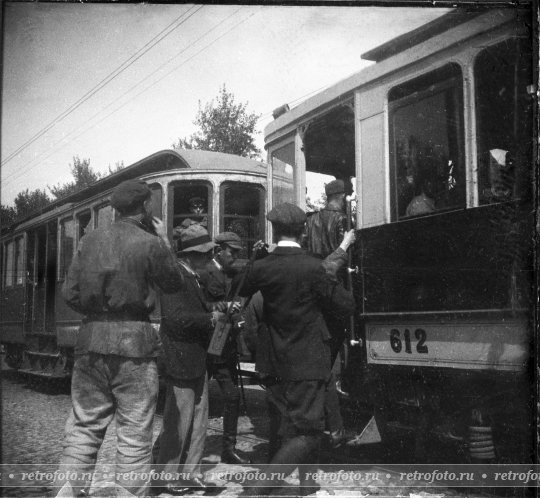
45 364
41 354
43 374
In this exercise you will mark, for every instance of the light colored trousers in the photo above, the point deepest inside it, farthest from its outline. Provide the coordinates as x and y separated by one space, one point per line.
180 445
103 386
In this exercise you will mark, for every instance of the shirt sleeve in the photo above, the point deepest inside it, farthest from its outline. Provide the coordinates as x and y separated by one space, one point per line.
71 288
164 271
332 295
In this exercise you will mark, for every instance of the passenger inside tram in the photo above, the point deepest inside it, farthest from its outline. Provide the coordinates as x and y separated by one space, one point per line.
424 202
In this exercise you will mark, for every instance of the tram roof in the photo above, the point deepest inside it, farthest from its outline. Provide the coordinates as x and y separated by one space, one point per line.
445 31
163 160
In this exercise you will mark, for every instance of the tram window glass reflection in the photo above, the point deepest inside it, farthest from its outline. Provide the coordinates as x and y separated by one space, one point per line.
8 264
67 246
504 119
104 216
19 261
83 220
282 161
427 144
192 200
242 208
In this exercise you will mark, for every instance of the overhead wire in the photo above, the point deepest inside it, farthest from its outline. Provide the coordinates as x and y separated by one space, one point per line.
263 116
105 81
40 158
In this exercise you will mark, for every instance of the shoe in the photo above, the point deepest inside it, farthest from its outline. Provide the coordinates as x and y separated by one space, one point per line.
197 484
171 489
341 436
229 455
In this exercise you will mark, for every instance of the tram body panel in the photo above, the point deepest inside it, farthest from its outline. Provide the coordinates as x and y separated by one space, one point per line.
435 138
38 329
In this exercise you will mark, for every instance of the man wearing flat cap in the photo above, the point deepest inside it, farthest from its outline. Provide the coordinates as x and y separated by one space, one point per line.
186 327
216 281
295 288
112 281
325 231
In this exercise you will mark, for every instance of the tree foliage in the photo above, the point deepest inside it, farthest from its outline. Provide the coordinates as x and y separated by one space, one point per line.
29 201
83 176
224 126
118 165
7 215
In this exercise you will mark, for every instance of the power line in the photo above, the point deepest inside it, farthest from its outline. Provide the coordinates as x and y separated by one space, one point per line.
263 116
105 81
26 170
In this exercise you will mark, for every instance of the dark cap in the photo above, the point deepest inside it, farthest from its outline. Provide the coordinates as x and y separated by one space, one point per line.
335 187
287 214
229 238
129 195
195 238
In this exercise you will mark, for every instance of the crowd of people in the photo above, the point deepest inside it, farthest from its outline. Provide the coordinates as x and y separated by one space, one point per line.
294 293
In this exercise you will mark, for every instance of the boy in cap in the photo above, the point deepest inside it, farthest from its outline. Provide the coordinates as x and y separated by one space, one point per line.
112 282
295 287
216 281
186 327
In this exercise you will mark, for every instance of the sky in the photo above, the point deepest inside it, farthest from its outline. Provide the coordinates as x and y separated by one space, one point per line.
114 83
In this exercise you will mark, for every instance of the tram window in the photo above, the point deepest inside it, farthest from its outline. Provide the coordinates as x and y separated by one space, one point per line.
103 216
84 224
67 246
19 261
157 196
282 161
192 200
8 266
427 144
242 209
504 119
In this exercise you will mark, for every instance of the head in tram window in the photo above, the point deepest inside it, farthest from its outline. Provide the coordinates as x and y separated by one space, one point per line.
228 250
197 205
133 198
335 194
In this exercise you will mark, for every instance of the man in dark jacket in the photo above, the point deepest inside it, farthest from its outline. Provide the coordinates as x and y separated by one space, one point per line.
112 282
325 228
295 290
186 327
216 281
324 234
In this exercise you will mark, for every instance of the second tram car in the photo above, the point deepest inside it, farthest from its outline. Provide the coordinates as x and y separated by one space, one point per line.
436 138
37 329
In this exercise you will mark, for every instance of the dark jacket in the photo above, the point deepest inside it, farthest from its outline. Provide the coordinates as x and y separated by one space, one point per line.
217 285
325 230
185 329
295 290
112 281
215 282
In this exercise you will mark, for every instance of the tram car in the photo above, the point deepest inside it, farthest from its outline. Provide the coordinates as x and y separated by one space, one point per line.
37 330
437 140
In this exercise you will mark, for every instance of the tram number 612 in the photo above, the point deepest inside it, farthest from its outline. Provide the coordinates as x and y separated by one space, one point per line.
397 344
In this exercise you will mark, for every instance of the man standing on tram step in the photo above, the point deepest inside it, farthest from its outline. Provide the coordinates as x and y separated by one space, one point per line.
112 282
186 327
295 288
325 230
216 280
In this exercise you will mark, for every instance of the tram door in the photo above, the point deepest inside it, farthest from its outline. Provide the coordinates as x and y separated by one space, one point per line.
40 279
